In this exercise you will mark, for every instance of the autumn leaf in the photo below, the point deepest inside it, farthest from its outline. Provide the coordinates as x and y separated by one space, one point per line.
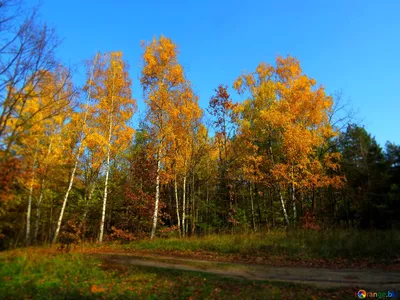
94 288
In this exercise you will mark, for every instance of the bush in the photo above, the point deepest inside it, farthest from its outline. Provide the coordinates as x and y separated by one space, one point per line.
121 235
69 236
169 232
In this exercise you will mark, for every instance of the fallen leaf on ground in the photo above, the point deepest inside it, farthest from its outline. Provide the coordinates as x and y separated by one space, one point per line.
97 289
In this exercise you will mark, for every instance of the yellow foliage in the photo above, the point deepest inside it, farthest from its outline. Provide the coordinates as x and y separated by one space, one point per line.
285 107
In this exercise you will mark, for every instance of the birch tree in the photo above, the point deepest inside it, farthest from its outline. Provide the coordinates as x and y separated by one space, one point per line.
78 132
288 115
35 137
113 110
162 77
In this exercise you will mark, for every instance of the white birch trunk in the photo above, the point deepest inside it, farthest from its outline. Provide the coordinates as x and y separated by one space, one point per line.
155 215
184 206
28 213
71 181
177 206
103 215
283 207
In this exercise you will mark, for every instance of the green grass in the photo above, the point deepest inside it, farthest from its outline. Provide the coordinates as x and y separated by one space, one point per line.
43 275
36 275
295 244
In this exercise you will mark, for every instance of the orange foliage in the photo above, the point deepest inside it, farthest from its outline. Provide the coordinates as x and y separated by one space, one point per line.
289 113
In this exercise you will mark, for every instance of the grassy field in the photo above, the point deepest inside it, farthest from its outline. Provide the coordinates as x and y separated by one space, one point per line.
45 273
41 274
372 245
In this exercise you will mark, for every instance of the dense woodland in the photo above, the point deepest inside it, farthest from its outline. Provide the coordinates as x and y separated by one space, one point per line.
72 164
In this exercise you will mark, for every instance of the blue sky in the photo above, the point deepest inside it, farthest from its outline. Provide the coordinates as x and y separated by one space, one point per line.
346 45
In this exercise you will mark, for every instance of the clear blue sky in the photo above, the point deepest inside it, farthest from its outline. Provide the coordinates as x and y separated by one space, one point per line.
348 45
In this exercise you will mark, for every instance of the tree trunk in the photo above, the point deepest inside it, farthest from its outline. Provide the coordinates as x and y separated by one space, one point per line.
42 187
28 213
265 207
110 127
193 206
71 181
260 220
294 203
271 195
252 208
294 197
177 206
280 193
283 206
38 211
86 210
187 216
51 219
155 215
184 207
103 214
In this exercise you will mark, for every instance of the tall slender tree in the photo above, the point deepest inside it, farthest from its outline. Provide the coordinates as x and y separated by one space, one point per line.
162 79
114 108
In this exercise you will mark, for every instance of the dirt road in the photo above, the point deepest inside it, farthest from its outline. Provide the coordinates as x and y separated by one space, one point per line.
325 278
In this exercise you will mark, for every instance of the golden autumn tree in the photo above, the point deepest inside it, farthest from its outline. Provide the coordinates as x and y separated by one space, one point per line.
255 137
162 80
76 132
90 139
114 108
39 139
287 114
56 140
185 119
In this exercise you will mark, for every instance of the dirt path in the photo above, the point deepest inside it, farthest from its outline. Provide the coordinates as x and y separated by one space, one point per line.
365 279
